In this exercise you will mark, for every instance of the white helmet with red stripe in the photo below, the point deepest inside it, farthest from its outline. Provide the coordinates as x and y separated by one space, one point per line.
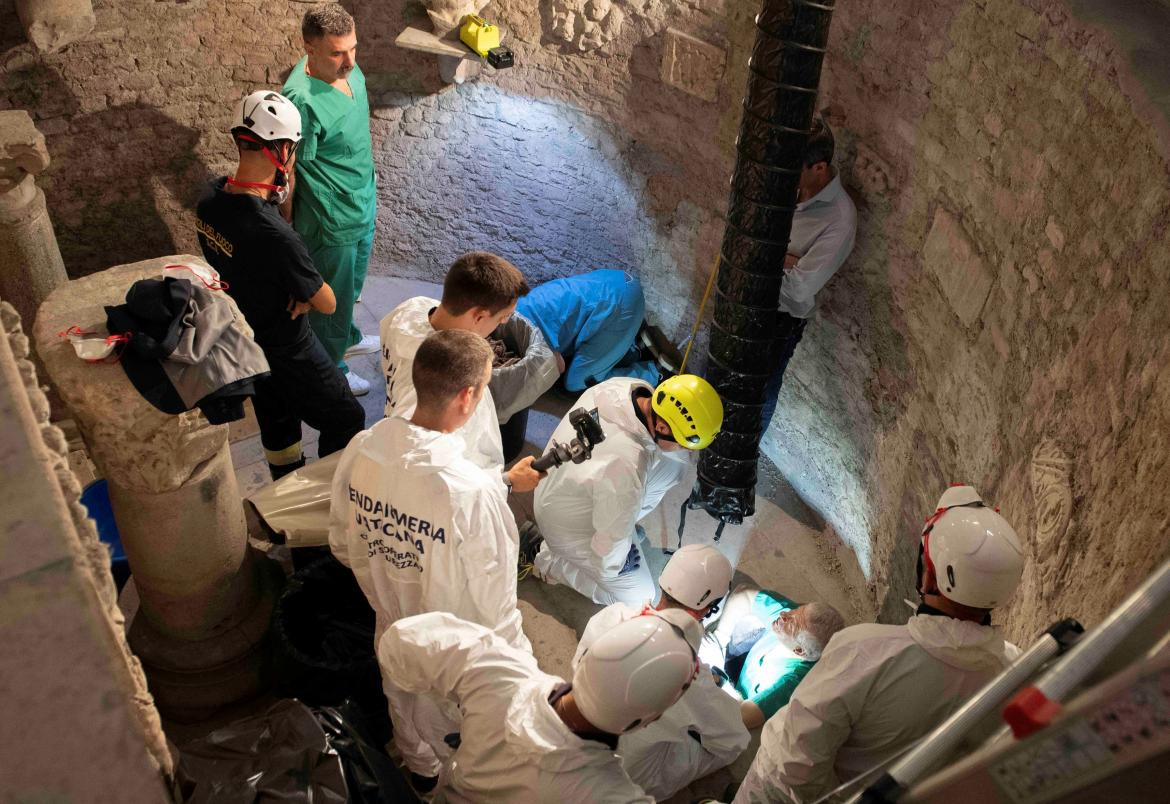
975 554
266 118
697 576
637 670
269 115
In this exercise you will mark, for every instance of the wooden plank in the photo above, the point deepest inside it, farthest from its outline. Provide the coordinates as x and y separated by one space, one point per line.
418 39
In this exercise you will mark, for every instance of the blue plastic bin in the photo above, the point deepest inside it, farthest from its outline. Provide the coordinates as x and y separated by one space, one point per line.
96 499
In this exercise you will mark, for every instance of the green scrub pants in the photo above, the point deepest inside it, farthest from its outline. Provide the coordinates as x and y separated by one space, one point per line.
344 268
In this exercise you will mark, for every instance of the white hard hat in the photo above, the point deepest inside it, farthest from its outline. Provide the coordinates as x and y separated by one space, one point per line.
976 555
958 494
269 115
690 628
635 672
696 576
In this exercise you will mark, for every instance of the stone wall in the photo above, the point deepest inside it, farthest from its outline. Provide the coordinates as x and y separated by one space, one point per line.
1001 320
619 163
75 695
998 322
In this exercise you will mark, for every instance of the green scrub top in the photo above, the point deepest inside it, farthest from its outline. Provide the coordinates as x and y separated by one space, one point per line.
770 671
334 202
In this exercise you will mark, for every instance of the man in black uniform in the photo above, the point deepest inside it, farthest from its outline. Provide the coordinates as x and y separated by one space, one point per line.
272 278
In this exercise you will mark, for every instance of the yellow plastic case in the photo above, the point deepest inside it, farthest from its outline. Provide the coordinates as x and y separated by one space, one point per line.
479 35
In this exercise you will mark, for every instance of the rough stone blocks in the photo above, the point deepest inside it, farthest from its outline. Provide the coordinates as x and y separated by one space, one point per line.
961 270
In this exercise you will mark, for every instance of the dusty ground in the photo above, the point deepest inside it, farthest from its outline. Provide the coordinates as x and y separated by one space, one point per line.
785 547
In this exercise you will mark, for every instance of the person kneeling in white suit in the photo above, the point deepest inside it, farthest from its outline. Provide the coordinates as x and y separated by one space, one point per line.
587 512
479 293
704 730
425 529
528 736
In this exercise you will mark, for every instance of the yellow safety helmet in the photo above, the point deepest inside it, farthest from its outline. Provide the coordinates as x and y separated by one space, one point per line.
692 408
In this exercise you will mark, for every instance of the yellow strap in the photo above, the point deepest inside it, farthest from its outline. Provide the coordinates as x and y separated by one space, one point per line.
284 457
699 318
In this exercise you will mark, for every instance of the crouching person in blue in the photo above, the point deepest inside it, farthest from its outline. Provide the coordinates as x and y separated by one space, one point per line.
270 275
592 321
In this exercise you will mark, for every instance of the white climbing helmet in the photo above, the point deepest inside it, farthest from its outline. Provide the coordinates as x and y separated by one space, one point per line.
635 672
976 555
696 576
690 628
269 115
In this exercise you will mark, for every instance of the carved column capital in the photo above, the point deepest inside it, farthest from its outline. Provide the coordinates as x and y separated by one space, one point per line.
52 24
448 14
22 151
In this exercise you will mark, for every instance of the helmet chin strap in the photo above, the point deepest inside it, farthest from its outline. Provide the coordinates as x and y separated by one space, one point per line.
279 186
654 434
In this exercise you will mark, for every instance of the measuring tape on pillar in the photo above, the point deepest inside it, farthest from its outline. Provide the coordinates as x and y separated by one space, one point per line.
699 317
682 519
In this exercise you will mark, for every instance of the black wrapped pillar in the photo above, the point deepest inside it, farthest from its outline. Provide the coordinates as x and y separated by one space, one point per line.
778 110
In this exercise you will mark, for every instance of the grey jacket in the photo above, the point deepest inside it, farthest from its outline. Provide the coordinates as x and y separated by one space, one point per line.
212 351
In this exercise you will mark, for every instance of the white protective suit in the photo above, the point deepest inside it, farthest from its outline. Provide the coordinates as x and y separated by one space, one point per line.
665 756
402 332
875 690
425 529
586 511
514 746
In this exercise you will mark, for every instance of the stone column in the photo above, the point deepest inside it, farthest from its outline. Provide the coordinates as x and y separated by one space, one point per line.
204 601
52 24
30 262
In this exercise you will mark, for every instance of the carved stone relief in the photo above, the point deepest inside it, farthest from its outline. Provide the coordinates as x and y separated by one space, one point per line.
586 24
871 172
1052 496
692 65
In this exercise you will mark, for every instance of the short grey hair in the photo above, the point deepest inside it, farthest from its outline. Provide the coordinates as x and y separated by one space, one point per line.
821 622
329 19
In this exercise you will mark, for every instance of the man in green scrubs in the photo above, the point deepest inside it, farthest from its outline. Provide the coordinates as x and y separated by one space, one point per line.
770 644
333 203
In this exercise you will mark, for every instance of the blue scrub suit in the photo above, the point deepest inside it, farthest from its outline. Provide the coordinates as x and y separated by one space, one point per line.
592 320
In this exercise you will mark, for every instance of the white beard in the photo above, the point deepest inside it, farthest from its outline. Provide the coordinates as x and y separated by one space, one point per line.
788 642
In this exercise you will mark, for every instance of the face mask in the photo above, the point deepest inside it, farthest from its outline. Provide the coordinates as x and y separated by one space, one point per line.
204 273
280 194
89 349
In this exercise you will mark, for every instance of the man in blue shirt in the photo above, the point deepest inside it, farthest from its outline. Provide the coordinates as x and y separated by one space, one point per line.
770 644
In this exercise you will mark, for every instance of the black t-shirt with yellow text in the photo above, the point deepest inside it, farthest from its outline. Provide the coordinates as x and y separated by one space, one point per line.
263 260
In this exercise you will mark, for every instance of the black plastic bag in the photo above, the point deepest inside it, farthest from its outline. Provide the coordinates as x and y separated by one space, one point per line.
323 633
281 755
293 753
359 736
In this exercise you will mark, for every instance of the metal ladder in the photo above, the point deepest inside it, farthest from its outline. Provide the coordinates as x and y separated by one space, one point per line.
1034 708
